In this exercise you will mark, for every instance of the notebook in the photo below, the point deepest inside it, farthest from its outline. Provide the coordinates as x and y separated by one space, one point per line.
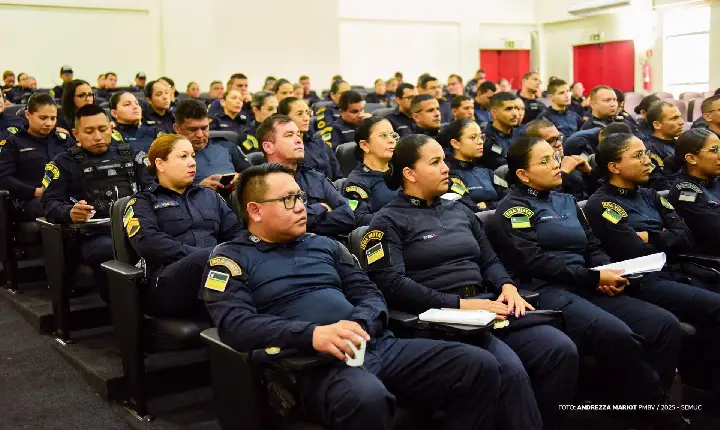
458 316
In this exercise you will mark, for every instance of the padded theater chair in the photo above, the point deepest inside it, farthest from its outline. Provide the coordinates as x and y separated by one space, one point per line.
382 112
345 153
227 135
18 240
256 158
340 184
136 333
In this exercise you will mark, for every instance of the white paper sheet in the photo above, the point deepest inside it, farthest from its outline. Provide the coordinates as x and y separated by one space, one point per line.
457 316
648 263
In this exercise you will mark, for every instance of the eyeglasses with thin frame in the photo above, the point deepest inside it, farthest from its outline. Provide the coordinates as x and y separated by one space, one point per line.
84 96
387 137
557 139
640 155
545 161
289 201
477 137
713 149
308 112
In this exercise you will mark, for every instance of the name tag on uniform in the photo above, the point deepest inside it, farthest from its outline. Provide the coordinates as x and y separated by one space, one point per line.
224 125
26 149
165 205
496 149
687 196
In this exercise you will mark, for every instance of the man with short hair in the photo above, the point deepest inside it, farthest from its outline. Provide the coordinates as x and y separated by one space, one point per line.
578 103
462 107
507 115
604 107
216 90
426 115
237 82
455 86
528 94
401 118
504 86
430 85
585 142
157 113
328 114
352 111
258 294
214 157
309 95
711 113
329 213
559 113
484 92
140 81
667 124
66 75
399 78
472 85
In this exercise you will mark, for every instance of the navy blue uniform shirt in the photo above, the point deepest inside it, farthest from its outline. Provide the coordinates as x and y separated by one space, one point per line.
163 122
482 115
495 147
340 132
340 220
324 116
219 157
262 294
368 186
662 176
23 158
583 142
698 203
476 184
140 136
321 156
445 111
567 122
419 254
223 122
402 124
533 108
11 124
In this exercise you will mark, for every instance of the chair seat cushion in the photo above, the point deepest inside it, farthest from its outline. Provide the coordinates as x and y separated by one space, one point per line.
167 334
28 233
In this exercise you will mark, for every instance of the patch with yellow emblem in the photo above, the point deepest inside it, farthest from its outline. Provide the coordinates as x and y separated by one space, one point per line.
62 135
12 130
353 204
217 280
51 173
130 221
2 142
519 216
458 186
116 136
666 203
357 190
374 253
371 235
613 212
227 263
656 158
250 143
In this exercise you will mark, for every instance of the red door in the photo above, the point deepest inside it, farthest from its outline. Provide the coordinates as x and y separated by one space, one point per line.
508 64
611 64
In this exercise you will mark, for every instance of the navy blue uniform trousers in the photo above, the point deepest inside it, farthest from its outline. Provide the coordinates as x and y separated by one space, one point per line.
419 375
94 251
29 210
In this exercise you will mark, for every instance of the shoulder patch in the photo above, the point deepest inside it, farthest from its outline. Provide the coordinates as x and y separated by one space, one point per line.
2 142
141 158
687 196
374 253
12 130
458 186
131 202
499 181
217 280
51 173
227 263
130 222
688 186
657 159
613 212
353 204
359 191
371 235
518 210
62 135
666 203
116 136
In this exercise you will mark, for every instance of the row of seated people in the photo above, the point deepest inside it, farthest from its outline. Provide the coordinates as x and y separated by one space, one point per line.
281 142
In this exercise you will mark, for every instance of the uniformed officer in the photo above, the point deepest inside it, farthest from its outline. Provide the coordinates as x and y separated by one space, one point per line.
642 110
478 187
26 151
578 103
9 122
506 116
20 91
264 104
376 141
425 252
473 84
622 113
401 118
157 113
545 241
66 75
127 114
426 115
269 84
173 226
81 184
711 114
258 297
379 95
429 85
8 82
283 89
214 157
309 95
632 222
352 111
391 86
238 82
462 107
585 142
696 192
77 94
528 94
485 91
667 124
329 213
565 120
216 90
326 115
319 155
575 169
231 118
605 109
140 81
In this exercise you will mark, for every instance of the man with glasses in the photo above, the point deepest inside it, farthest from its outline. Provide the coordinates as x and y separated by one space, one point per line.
401 118
575 169
667 124
559 113
215 157
328 212
278 287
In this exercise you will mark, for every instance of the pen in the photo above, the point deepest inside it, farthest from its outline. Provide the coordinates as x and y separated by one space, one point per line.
73 200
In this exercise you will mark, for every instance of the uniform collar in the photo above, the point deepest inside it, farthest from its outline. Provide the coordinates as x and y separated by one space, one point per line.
670 142
432 132
559 112
490 129
128 127
156 188
530 191
465 165
618 191
238 117
417 202
702 182
263 246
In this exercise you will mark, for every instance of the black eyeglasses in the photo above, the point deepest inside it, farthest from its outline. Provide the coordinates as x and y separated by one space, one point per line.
84 96
557 139
289 201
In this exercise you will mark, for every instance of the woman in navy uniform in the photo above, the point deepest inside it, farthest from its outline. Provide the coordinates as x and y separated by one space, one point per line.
9 122
77 94
376 142
544 239
479 187
426 252
264 105
26 151
231 118
174 226
696 193
127 112
318 154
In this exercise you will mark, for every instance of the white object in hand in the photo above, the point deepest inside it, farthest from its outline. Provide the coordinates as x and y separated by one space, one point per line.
648 263
458 316
359 354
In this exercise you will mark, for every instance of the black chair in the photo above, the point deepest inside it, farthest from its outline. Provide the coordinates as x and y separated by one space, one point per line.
105 105
136 333
345 153
502 172
256 158
321 104
227 135
14 109
372 107
382 112
340 184
19 240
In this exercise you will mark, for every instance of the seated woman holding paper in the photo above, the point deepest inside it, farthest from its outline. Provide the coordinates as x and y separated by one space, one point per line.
477 187
426 252
544 240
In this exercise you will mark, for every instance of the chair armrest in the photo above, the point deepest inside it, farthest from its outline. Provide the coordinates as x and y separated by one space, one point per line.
530 297
403 318
47 225
125 270
705 260
4 193
460 329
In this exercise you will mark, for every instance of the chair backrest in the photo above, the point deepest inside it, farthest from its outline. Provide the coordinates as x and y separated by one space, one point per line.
317 105
664 95
345 153
485 216
122 249
695 109
372 107
689 96
631 101
502 171
21 112
664 193
340 184
105 105
227 135
382 112
355 239
256 158
682 107
140 95
591 161
235 205
14 109
545 101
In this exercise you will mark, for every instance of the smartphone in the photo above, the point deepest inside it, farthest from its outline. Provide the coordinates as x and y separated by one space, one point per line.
227 178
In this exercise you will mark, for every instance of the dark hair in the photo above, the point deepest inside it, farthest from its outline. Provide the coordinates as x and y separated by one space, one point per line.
573 84
453 130
335 87
518 155
168 80
280 82
235 76
610 150
425 79
110 73
337 78
115 99
458 77
486 86
88 110
619 95
458 100
40 99
363 131
149 88
285 105
417 101
529 75
215 82
68 103
646 102
398 74
406 154
401 89
498 99
533 127
554 85
614 128
655 113
190 109
303 78
348 98
690 142
7 73
267 128
708 102
258 98
252 186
